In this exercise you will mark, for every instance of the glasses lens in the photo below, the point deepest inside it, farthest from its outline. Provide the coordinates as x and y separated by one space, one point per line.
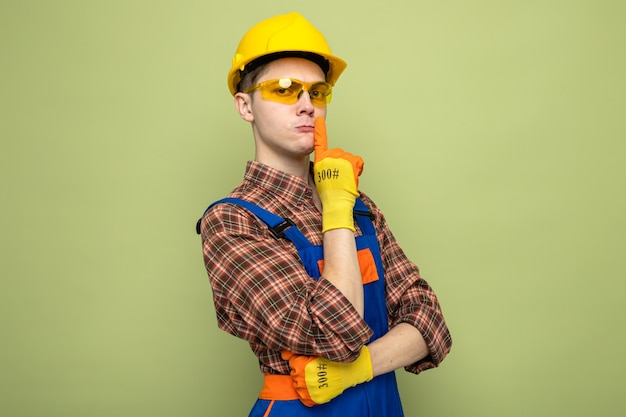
289 91
284 90
320 94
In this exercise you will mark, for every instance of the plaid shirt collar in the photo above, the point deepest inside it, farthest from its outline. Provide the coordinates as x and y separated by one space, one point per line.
277 183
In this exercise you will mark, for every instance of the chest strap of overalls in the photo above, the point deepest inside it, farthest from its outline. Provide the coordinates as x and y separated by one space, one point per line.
281 228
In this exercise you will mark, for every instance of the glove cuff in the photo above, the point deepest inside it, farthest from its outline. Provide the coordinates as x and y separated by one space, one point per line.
339 219
363 367
337 210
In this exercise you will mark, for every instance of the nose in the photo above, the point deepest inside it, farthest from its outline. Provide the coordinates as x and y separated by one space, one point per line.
305 106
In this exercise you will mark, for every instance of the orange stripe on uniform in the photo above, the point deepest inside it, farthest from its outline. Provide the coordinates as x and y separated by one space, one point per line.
269 409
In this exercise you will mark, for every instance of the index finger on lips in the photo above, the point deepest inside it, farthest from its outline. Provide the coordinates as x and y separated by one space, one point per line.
320 137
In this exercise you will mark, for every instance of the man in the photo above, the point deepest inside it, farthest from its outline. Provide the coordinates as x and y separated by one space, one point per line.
302 265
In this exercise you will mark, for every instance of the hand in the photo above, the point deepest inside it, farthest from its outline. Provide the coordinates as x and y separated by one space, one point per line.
336 179
318 380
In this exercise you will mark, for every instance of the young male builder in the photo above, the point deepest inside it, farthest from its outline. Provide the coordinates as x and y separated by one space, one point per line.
302 264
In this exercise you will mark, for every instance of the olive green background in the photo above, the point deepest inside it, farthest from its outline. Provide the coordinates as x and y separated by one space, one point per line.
493 134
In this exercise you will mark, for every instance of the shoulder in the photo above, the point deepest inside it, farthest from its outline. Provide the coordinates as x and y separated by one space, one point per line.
230 218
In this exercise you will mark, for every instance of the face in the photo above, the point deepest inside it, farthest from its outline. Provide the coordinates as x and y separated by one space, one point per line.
283 132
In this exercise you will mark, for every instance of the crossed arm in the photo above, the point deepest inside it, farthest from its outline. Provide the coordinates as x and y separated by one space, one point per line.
403 344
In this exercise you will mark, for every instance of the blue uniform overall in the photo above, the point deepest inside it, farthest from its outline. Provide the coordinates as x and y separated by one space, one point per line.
376 398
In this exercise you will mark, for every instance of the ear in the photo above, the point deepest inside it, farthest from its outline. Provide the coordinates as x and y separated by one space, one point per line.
243 103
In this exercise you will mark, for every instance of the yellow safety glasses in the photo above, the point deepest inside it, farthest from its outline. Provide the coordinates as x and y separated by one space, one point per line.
289 91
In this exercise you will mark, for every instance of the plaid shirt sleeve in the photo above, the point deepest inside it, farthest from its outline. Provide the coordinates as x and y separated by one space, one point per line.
410 299
262 293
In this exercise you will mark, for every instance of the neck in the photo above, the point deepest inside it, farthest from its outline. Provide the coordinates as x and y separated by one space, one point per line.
297 167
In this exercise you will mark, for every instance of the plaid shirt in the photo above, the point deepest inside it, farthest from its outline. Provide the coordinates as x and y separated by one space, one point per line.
262 293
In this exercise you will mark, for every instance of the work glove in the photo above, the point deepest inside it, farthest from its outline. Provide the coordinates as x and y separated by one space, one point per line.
336 179
318 380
